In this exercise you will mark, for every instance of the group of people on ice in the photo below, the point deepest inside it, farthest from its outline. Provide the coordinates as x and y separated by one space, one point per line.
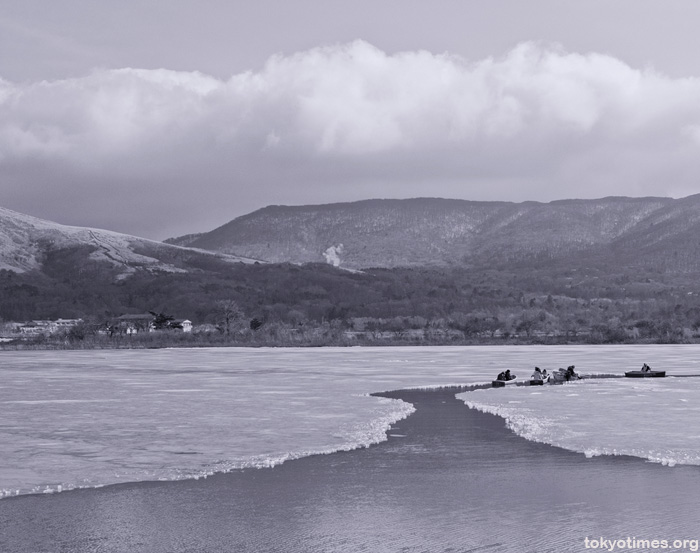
560 375
505 376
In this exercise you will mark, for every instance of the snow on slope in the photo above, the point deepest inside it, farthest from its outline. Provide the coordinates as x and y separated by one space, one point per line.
24 239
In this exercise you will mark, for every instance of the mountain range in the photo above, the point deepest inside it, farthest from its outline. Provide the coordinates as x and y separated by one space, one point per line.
650 232
613 232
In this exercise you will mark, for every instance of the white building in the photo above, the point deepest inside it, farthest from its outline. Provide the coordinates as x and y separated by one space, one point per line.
185 324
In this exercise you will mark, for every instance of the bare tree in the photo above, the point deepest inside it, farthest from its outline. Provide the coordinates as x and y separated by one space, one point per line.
228 314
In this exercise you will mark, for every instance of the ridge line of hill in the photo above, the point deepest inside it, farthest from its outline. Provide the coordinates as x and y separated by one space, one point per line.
438 231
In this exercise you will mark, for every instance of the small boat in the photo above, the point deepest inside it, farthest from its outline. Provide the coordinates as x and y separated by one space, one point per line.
561 376
645 374
502 383
561 379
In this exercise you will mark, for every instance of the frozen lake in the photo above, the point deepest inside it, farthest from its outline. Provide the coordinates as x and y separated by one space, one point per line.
91 418
650 418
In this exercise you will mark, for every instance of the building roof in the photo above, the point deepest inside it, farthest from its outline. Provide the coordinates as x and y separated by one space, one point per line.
136 317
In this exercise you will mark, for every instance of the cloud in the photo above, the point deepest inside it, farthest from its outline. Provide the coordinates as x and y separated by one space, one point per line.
158 151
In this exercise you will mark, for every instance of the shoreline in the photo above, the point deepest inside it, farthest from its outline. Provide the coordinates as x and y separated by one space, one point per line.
293 456
445 466
185 342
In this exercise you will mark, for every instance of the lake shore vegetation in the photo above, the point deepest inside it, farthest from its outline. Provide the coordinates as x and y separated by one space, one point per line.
317 304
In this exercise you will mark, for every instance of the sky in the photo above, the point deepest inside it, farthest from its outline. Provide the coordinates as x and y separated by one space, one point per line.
162 118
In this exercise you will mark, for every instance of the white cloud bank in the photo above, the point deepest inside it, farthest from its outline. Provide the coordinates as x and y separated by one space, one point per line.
134 147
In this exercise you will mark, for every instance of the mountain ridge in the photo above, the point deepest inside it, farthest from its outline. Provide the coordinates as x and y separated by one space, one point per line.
615 231
436 231
25 241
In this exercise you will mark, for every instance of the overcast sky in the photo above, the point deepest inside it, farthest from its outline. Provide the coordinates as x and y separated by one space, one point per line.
160 118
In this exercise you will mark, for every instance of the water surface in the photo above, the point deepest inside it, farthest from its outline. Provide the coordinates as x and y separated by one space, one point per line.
91 418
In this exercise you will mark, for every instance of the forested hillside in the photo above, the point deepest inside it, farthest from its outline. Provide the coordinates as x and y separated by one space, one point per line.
457 305
610 270
429 231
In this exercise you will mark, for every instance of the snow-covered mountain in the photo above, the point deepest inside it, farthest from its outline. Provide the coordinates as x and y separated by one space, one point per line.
25 241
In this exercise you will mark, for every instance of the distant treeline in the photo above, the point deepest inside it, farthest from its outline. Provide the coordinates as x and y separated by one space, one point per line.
319 304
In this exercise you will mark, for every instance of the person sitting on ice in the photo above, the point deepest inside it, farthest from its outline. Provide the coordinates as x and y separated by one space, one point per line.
537 375
508 375
646 368
501 376
570 374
